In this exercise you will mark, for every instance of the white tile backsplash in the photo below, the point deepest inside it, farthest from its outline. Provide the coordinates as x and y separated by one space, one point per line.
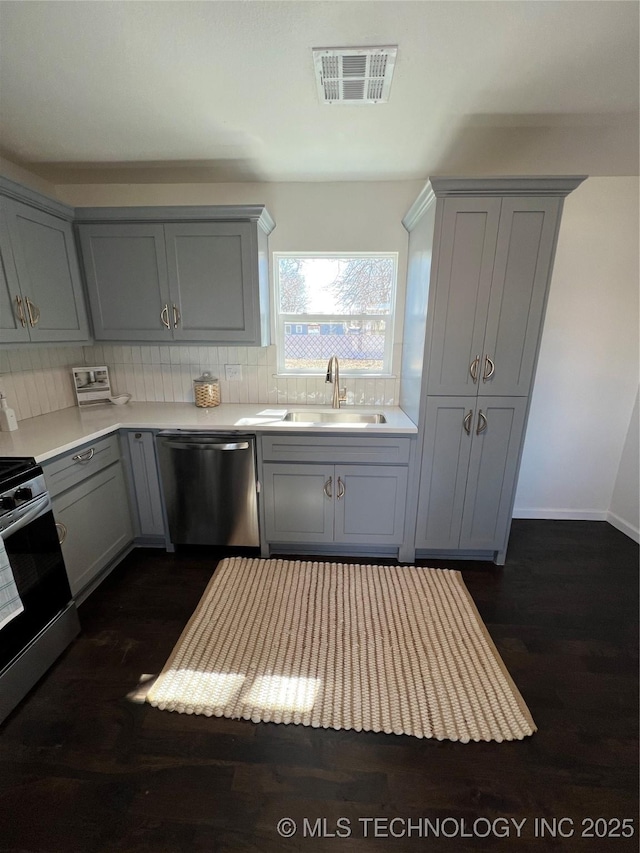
37 380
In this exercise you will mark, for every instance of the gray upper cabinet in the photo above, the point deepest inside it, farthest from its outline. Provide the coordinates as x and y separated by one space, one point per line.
466 252
522 269
126 274
177 274
42 297
492 263
212 281
12 329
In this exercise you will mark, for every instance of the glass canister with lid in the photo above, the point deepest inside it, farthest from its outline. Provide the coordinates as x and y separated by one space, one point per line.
206 389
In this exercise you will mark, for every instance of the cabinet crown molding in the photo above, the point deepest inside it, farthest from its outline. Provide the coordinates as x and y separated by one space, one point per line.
19 192
180 213
446 187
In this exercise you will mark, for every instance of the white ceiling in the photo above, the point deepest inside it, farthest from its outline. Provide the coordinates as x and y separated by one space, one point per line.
224 91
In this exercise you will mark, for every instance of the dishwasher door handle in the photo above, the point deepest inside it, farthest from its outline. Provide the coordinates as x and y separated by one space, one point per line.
177 444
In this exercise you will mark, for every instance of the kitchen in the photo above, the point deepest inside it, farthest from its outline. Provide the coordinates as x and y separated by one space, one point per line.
575 464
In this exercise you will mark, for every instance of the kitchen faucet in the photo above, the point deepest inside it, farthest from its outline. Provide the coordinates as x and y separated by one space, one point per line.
333 375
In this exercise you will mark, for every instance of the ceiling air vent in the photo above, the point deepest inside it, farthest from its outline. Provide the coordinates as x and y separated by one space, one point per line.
354 75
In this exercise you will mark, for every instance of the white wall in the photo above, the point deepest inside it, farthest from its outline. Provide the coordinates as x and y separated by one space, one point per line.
587 377
624 512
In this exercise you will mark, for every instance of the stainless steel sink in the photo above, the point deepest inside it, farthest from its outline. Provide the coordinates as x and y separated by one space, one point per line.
311 417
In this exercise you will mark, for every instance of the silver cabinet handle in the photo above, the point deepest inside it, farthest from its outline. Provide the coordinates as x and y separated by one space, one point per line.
482 422
467 422
341 489
473 369
176 316
31 308
21 316
62 532
85 456
164 316
488 363
327 488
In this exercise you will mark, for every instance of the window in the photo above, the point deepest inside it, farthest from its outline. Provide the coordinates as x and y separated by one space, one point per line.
335 304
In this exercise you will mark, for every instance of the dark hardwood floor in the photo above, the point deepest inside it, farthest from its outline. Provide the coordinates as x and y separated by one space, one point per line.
84 769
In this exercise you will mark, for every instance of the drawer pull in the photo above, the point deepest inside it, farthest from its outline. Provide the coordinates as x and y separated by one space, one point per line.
62 532
85 456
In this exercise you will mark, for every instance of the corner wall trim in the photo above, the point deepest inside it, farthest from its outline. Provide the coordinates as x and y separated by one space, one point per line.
623 526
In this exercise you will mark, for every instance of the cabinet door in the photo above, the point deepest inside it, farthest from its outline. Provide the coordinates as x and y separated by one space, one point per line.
46 262
463 283
212 282
524 257
146 483
370 504
126 274
443 477
298 502
497 437
13 325
95 515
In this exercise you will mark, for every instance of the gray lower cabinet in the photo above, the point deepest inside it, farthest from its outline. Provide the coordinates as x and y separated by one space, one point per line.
41 296
91 510
145 483
470 457
176 280
351 504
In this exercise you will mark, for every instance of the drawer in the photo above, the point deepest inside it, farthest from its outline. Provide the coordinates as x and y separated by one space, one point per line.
381 450
76 465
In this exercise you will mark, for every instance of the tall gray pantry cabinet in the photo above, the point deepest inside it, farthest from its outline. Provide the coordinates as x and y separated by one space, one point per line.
480 260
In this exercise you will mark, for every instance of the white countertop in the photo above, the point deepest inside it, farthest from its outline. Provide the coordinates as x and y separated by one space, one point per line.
48 435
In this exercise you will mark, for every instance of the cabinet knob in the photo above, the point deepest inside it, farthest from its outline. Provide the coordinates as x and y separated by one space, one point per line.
137 435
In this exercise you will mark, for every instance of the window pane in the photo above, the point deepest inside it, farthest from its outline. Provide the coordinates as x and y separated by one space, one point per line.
335 285
335 305
358 344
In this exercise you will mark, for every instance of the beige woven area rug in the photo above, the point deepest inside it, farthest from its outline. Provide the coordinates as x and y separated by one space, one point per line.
377 648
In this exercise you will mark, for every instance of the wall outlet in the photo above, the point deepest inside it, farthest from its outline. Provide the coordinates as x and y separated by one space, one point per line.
233 372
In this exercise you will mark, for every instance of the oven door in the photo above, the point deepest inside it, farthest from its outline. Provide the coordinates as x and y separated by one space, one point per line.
31 542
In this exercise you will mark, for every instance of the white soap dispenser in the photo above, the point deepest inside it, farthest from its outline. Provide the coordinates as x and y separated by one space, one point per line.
8 420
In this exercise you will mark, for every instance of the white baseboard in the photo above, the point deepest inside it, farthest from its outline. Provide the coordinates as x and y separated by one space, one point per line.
582 515
563 514
624 526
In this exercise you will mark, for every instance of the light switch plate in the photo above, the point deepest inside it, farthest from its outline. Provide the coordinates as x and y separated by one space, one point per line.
233 372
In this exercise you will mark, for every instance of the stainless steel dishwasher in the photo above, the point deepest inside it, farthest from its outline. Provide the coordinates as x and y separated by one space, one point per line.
209 486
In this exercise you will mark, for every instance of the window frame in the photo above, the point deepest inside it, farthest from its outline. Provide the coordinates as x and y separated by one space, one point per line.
282 320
